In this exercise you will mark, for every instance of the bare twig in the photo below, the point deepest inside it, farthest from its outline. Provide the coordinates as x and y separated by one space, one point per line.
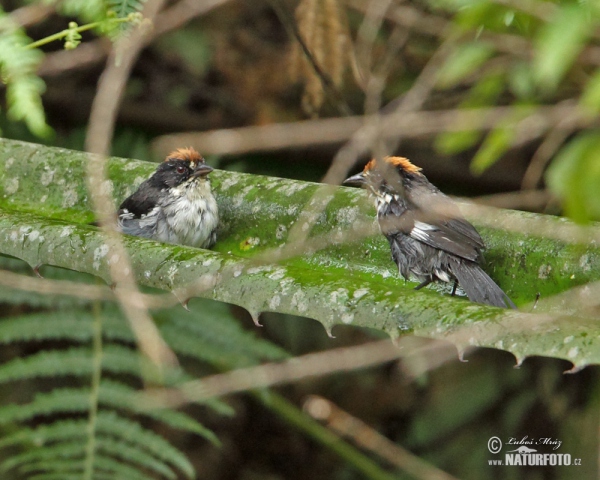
534 121
363 435
101 127
298 368
31 14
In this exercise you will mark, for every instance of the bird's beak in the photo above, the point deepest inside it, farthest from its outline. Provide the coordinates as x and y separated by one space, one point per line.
357 180
202 170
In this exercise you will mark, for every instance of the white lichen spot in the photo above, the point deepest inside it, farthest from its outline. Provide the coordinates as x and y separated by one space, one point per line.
499 344
9 162
147 274
386 274
171 273
584 263
207 263
228 183
305 226
44 198
99 253
347 318
544 271
237 273
274 302
299 301
69 198
569 339
339 296
14 236
291 210
361 292
114 259
347 215
573 352
11 186
34 235
67 231
47 176
278 274
290 188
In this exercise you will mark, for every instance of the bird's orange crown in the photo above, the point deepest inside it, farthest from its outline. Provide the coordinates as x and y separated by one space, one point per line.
398 162
186 154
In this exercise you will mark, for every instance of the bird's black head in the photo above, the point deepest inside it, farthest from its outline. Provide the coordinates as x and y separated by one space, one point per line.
388 175
180 166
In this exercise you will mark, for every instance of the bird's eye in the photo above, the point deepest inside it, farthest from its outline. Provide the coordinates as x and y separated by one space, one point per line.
180 169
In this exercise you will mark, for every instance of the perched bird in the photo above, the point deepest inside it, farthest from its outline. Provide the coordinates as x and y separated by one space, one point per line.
175 205
428 237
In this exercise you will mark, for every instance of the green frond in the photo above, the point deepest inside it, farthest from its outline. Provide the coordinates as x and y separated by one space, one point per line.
57 431
209 332
61 467
58 401
55 476
116 470
122 8
71 450
129 453
73 325
17 68
48 363
110 423
120 396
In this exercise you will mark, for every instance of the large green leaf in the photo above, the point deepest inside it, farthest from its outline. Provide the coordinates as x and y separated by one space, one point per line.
45 211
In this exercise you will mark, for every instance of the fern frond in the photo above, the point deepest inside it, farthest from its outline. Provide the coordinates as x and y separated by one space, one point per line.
60 430
59 401
114 469
53 363
122 8
71 450
60 467
130 454
17 68
109 423
209 332
118 395
66 325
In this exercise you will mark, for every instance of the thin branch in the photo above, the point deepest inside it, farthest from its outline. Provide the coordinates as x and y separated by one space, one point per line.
534 121
98 140
363 435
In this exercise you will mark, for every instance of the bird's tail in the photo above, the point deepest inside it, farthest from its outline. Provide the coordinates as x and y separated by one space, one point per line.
478 286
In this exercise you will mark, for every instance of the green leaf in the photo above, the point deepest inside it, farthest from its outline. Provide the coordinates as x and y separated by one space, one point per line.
558 44
574 175
352 282
463 61
590 98
497 142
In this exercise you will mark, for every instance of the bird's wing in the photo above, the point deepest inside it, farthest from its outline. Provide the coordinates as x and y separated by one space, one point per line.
435 224
142 201
138 213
